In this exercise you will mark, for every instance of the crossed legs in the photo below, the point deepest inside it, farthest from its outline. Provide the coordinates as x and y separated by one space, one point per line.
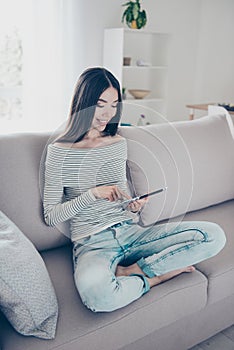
153 281
157 254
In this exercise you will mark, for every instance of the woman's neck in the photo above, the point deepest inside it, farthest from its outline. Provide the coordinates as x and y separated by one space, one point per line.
93 135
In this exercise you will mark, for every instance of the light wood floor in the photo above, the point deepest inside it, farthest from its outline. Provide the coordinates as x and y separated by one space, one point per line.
221 341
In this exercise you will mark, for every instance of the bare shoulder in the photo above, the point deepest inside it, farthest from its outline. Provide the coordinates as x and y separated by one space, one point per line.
114 139
86 143
63 144
119 137
70 145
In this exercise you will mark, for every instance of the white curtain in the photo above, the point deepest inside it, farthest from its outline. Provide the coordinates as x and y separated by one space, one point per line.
43 103
50 68
52 37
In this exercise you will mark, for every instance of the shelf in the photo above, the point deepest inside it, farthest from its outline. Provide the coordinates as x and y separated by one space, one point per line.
140 31
146 46
137 31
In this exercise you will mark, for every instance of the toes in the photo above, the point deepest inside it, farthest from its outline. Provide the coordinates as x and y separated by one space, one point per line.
190 269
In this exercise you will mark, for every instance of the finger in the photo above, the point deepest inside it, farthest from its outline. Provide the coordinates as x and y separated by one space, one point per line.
134 208
137 202
143 201
122 194
134 205
115 195
110 195
130 207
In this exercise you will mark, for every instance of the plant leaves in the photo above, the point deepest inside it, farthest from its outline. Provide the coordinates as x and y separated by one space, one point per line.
127 3
132 12
135 11
141 19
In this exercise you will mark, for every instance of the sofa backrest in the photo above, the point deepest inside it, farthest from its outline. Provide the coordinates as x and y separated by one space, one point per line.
20 192
195 159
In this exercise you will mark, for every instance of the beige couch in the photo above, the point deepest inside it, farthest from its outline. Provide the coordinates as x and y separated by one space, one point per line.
196 161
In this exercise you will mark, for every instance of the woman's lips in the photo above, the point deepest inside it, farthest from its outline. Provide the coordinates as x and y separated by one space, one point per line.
102 122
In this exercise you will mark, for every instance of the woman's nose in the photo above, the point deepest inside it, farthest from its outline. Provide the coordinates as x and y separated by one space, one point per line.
109 112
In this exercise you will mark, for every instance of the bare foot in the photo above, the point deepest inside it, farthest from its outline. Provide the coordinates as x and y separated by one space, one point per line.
128 270
135 269
159 279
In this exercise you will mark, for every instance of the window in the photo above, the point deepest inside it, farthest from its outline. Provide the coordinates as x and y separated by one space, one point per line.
11 64
11 74
36 64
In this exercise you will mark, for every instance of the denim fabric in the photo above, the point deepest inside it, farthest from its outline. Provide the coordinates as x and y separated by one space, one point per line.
156 249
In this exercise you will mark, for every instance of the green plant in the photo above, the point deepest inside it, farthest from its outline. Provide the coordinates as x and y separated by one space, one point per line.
133 16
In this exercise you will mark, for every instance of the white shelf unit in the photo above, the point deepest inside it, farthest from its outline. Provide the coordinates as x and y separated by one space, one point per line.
151 48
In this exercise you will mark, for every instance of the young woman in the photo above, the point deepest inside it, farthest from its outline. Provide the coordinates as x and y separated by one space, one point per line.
116 261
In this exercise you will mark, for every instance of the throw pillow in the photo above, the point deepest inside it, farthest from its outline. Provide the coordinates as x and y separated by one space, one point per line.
27 297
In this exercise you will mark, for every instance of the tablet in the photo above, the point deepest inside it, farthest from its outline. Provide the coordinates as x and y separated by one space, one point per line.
127 201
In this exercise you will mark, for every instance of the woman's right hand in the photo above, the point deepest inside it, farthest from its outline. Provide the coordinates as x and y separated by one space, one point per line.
111 193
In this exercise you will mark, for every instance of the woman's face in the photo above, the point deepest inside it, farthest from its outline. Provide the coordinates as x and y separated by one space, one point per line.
106 109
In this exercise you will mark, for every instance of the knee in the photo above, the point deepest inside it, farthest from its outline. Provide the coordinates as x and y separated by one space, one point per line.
216 237
94 289
89 280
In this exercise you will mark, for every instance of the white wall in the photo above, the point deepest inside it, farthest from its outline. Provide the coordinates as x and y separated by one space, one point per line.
90 18
181 19
201 47
215 56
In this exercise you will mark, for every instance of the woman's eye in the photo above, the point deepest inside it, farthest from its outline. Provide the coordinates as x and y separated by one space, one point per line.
102 106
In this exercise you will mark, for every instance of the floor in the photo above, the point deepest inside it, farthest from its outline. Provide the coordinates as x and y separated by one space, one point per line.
221 341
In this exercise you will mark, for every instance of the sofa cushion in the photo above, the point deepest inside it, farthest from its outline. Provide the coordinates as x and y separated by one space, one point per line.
80 328
27 297
219 270
195 159
20 193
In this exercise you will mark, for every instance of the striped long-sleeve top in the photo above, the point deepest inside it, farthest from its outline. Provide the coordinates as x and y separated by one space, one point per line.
70 173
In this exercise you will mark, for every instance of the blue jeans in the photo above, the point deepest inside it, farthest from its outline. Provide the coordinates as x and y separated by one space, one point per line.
156 249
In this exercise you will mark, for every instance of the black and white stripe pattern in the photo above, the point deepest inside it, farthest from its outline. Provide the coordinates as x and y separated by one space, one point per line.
70 173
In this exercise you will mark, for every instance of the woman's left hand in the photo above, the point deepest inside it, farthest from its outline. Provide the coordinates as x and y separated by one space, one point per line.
136 206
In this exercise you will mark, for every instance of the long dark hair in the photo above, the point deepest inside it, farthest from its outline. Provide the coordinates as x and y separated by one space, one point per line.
91 84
